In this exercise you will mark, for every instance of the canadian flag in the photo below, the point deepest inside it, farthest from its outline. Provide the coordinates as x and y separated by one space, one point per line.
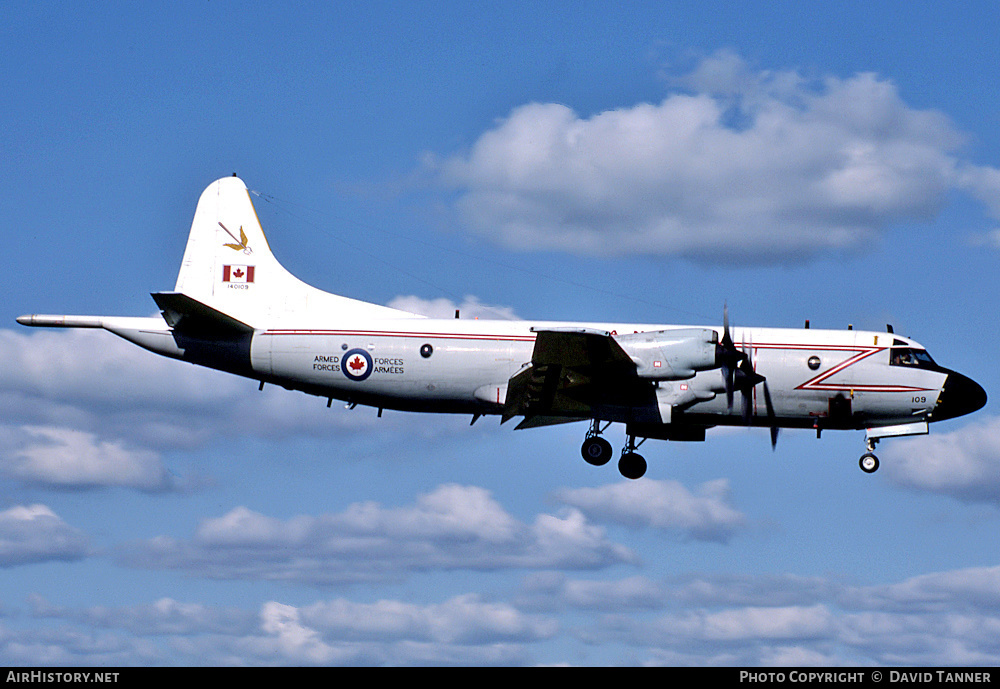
237 273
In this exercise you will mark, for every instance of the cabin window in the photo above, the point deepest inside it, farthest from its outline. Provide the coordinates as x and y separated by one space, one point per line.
907 356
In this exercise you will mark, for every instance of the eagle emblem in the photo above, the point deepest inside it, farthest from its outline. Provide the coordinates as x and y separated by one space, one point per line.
241 244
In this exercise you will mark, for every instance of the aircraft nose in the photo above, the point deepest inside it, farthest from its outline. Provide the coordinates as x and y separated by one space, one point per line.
960 395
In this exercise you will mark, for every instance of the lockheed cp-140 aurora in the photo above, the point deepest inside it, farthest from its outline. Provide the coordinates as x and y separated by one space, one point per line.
236 309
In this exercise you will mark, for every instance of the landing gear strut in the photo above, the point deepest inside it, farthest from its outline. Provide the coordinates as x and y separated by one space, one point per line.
596 450
632 465
868 461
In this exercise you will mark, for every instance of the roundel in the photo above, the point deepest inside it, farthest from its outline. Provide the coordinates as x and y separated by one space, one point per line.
357 364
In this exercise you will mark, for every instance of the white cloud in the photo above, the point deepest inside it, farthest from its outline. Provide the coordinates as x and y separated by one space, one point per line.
990 239
465 619
940 618
764 166
294 641
973 589
943 618
964 463
452 527
554 590
66 458
792 622
165 616
470 307
34 533
91 382
663 505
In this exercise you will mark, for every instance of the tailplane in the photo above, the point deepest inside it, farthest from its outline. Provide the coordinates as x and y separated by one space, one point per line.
229 267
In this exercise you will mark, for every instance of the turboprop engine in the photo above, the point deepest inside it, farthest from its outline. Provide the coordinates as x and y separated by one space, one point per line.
671 354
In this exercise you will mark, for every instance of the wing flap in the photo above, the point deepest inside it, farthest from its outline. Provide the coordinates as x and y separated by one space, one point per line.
571 371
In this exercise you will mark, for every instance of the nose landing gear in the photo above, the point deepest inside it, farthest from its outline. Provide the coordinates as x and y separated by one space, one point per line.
868 461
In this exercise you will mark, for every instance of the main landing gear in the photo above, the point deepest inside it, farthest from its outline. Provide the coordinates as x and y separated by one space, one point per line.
632 465
868 461
597 451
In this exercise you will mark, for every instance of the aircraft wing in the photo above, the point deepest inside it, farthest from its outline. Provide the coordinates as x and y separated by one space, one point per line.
571 371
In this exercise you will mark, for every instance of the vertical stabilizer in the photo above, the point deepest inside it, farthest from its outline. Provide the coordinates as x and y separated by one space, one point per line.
229 266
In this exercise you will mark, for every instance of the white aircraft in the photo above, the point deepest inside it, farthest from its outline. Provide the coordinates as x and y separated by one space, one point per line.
236 309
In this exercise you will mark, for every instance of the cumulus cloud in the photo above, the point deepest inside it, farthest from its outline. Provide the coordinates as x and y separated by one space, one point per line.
470 307
92 381
464 619
734 165
975 589
67 458
774 622
452 527
939 618
557 591
943 618
464 629
34 533
668 506
165 616
964 463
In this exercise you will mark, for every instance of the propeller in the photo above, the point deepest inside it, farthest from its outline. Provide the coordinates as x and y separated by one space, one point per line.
728 357
739 374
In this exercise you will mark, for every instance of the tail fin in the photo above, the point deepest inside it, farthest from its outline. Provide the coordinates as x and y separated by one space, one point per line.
229 266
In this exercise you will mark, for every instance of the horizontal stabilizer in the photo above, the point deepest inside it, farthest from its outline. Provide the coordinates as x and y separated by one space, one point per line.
191 317
43 321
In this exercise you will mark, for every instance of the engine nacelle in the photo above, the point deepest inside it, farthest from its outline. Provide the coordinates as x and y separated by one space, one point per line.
671 354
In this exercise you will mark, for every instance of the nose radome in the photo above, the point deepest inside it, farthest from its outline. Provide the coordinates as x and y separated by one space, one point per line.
960 395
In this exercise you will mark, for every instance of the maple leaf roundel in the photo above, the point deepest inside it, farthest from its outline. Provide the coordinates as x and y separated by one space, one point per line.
357 364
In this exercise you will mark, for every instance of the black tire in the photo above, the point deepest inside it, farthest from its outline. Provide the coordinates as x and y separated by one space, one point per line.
868 463
632 465
596 451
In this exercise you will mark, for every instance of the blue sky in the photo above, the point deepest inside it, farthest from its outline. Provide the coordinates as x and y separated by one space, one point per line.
596 161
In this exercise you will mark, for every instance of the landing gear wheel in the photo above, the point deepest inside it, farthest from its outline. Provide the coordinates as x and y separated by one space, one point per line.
632 465
596 450
868 463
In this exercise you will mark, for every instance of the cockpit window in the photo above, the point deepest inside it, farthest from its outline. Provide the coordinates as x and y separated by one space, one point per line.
907 356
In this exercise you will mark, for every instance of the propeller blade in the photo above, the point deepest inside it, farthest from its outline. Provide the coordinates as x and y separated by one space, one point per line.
728 358
727 340
749 380
729 376
770 416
